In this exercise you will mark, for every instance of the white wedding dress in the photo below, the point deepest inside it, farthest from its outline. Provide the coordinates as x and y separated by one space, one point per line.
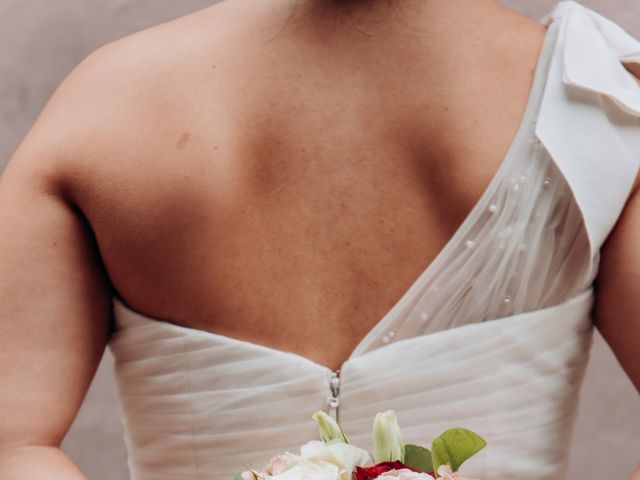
494 335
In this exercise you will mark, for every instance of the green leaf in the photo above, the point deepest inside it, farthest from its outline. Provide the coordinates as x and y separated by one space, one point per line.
418 458
454 447
237 477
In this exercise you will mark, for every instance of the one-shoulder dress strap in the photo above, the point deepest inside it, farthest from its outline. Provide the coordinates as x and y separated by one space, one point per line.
589 120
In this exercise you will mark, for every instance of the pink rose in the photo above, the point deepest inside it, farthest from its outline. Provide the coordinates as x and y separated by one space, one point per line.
281 463
446 474
404 474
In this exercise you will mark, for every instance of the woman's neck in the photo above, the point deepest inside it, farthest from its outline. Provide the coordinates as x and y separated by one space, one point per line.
366 19
402 32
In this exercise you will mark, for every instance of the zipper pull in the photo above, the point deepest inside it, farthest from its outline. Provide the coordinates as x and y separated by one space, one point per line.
333 400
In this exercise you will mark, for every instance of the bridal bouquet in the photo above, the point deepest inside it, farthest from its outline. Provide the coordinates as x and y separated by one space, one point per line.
333 458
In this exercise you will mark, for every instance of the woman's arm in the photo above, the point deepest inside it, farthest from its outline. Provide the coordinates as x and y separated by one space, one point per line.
617 305
54 302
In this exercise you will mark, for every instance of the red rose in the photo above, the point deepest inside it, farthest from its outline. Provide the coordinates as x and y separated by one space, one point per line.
370 473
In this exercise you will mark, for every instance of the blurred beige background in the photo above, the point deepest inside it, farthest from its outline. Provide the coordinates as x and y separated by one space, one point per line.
42 40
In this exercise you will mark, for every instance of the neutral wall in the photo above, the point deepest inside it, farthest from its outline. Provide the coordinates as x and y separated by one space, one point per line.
42 40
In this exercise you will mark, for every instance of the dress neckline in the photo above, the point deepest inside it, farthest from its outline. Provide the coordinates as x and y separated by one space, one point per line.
524 130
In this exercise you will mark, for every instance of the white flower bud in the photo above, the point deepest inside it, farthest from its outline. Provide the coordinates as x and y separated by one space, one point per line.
387 438
328 428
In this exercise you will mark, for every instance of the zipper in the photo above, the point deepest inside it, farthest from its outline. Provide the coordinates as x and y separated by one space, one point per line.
333 400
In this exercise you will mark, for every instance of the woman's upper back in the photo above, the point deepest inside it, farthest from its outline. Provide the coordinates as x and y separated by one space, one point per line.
495 333
266 175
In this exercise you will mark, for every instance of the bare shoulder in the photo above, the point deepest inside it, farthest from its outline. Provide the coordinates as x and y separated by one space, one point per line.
127 97
135 136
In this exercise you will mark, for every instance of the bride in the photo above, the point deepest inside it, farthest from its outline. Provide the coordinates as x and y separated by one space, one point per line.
269 208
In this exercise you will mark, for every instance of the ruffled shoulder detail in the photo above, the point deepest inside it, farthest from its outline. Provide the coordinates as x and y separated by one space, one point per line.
594 55
592 140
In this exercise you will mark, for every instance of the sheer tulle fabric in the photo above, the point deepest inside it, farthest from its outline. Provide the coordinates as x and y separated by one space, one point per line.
494 336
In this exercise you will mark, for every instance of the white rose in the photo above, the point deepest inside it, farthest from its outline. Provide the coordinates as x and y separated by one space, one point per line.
311 469
342 454
319 461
